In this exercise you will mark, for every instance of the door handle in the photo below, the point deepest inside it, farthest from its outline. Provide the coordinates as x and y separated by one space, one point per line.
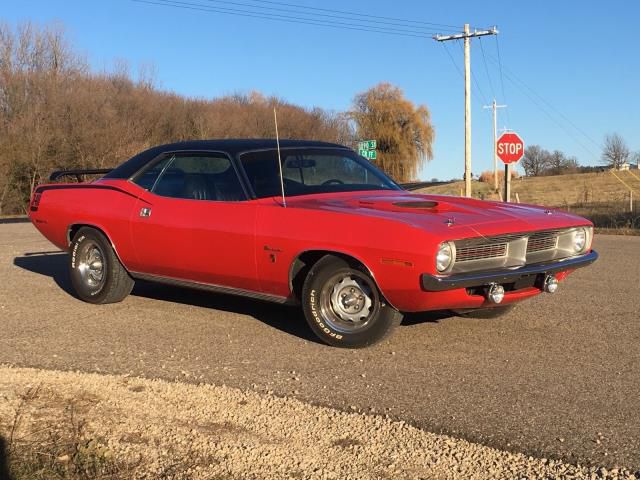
145 212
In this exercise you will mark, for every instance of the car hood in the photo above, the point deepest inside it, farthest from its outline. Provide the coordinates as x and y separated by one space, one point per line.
453 217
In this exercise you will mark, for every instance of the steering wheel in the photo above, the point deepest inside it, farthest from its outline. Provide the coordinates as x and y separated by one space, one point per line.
336 181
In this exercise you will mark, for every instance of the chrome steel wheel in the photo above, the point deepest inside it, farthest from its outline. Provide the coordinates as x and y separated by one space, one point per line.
96 273
349 301
91 265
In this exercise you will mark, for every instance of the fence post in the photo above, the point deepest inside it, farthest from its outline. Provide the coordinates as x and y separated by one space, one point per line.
631 200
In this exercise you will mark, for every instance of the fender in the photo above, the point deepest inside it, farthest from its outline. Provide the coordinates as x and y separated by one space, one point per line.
98 227
328 251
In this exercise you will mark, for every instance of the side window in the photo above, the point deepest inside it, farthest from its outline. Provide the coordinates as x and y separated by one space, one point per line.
149 177
200 177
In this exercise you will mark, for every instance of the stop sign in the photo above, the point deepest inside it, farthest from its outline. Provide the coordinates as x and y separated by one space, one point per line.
510 147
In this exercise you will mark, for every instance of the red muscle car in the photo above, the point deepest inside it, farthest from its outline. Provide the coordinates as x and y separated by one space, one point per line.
344 241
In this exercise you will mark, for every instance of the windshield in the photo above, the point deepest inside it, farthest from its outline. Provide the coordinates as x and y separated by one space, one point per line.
307 171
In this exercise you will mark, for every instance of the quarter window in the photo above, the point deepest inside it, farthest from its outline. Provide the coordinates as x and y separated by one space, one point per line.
148 178
196 177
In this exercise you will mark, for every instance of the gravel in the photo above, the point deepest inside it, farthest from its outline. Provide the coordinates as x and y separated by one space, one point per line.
205 431
562 366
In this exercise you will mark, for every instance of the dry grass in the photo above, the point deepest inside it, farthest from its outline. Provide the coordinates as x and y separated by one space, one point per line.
558 190
50 443
76 426
601 197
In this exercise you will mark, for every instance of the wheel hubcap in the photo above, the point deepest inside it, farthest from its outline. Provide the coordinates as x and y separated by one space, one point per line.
350 301
91 266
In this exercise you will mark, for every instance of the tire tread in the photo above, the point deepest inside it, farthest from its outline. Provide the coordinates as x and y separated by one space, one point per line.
119 283
390 317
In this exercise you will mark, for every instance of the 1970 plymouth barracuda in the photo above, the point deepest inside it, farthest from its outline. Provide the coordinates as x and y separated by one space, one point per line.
345 241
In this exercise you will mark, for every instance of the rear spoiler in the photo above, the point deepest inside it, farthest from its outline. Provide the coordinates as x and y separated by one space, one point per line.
58 174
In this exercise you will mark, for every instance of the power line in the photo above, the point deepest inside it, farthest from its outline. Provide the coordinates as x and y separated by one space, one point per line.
474 79
452 60
571 134
459 70
287 18
486 68
441 26
555 109
467 35
504 97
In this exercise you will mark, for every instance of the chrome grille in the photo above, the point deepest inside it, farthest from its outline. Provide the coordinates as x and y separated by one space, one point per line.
481 252
481 241
541 241
511 250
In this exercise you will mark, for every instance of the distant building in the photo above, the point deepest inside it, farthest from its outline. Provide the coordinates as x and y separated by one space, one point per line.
624 166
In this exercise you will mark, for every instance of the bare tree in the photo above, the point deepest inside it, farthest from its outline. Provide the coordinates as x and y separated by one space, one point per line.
403 131
56 114
615 151
558 164
535 161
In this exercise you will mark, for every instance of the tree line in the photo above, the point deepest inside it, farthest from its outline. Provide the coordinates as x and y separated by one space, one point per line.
55 113
540 162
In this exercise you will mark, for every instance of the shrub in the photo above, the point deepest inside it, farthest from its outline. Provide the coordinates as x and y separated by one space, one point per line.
487 176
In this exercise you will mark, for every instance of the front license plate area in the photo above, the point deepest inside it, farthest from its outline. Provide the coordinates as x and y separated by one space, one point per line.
525 282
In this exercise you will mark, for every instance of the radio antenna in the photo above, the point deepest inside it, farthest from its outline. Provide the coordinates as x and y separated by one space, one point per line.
275 118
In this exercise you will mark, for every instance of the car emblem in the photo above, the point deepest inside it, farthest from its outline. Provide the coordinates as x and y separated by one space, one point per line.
450 221
548 212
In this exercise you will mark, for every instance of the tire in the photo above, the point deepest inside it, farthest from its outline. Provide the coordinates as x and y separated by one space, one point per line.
343 323
96 273
486 313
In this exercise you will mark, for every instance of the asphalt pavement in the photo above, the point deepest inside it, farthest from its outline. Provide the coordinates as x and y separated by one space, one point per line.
556 378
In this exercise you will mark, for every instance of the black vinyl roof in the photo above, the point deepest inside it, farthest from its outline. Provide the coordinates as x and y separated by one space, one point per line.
231 146
234 146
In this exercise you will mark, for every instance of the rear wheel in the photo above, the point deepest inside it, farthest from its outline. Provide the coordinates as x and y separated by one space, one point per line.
343 305
96 273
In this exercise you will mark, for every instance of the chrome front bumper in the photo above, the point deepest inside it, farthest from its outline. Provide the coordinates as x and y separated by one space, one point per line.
439 283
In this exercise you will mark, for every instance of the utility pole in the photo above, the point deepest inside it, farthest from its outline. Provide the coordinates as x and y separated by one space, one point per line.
494 106
467 35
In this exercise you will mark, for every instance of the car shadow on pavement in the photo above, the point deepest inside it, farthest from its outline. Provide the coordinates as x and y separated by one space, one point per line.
4 461
287 319
49 264
426 317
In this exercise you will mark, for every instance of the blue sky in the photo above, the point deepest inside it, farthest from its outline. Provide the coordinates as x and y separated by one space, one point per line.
579 61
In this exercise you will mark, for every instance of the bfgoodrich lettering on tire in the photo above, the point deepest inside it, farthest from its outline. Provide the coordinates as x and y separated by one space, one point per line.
96 273
343 305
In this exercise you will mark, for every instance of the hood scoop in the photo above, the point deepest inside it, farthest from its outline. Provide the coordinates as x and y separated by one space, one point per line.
417 204
407 205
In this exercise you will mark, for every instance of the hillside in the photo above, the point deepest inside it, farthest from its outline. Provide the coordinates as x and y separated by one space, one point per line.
55 113
558 191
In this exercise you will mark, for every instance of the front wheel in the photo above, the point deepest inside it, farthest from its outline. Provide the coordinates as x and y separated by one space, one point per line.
344 307
96 273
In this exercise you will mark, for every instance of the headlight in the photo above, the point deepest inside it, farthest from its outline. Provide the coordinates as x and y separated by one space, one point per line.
579 240
444 257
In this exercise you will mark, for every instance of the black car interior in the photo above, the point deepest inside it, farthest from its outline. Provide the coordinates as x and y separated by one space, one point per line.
176 183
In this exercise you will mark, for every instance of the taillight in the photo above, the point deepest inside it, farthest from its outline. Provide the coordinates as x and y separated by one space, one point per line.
35 201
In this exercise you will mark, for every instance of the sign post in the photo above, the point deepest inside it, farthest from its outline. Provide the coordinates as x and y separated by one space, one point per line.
367 149
510 149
